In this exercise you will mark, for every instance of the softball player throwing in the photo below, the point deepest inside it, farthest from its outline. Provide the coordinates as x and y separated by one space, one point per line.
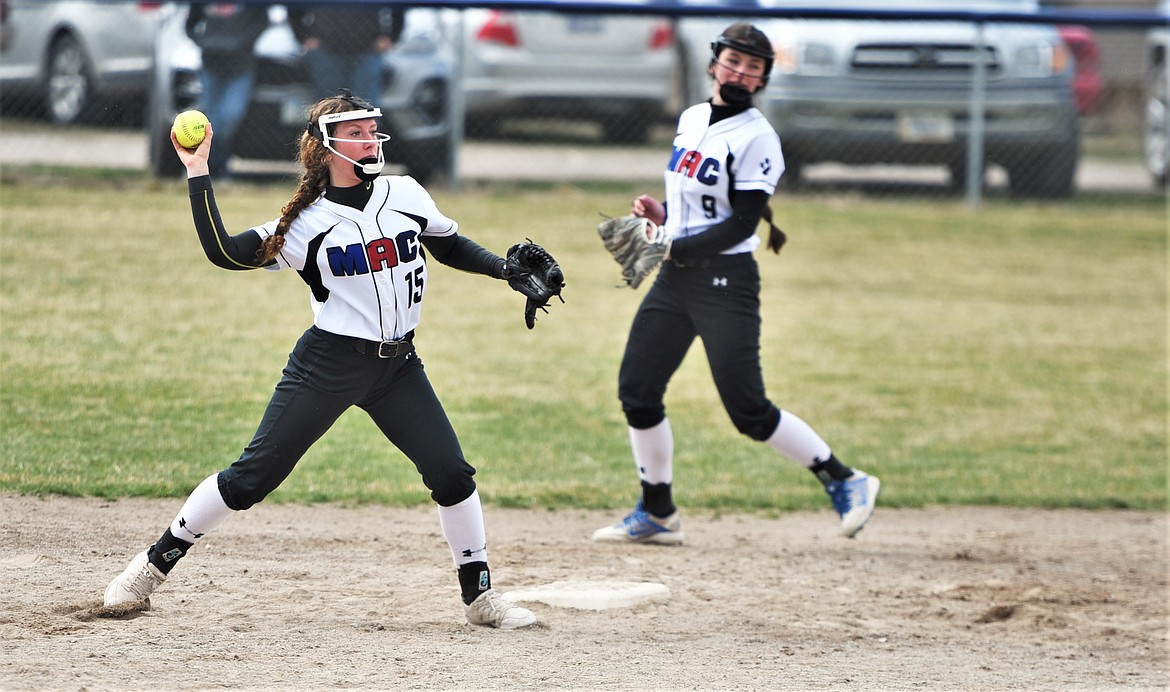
724 167
357 240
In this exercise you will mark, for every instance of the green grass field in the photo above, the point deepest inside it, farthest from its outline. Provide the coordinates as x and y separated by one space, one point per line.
1014 355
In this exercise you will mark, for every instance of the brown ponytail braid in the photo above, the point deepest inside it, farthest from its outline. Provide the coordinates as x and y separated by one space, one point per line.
314 157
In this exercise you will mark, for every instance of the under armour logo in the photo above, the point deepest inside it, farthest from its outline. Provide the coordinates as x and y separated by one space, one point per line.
766 166
183 525
719 281
470 552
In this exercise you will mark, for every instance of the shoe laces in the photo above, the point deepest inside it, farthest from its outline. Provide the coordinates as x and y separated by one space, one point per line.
144 582
494 604
638 516
843 494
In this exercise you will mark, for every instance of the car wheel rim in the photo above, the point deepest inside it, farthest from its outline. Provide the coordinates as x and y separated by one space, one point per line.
68 82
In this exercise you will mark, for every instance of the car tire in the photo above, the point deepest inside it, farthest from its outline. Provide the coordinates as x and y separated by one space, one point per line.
69 83
1156 140
957 177
1045 173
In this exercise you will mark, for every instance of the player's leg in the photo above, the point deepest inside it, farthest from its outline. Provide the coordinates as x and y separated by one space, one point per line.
300 411
852 491
729 324
405 408
150 568
463 524
659 338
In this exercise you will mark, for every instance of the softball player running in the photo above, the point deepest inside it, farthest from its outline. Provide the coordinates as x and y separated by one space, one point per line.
724 168
357 240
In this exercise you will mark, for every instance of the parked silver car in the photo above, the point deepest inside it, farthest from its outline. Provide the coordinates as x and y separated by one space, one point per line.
859 91
615 70
414 103
1157 121
68 60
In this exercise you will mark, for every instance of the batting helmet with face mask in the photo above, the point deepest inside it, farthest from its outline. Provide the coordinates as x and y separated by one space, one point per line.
369 167
746 38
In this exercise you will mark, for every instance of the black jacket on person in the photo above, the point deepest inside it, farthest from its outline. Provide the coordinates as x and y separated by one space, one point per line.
346 30
226 32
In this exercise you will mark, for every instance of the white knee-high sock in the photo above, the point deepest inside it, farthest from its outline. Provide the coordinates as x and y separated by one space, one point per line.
654 452
463 528
796 440
202 513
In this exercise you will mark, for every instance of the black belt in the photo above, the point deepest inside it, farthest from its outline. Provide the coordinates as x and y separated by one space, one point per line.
699 263
385 349
718 261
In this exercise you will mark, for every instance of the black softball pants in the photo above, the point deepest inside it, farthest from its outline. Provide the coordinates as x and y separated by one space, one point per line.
719 302
325 375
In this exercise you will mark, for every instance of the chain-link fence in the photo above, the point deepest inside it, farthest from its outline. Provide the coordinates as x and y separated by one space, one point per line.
896 103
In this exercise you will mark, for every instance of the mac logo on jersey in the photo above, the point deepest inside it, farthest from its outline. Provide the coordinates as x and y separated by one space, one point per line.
376 255
693 165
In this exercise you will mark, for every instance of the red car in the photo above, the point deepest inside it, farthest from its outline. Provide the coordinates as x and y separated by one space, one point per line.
1087 82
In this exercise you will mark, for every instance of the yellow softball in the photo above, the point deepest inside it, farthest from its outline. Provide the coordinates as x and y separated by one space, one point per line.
190 128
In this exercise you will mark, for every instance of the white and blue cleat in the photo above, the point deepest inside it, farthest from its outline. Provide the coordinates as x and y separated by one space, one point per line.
639 526
854 499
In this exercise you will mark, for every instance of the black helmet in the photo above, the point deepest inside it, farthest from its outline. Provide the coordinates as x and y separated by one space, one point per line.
745 38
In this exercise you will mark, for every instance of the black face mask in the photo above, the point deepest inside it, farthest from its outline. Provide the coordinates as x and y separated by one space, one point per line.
360 172
734 94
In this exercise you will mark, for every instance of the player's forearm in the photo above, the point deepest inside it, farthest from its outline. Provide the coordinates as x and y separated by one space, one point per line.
229 252
745 217
465 254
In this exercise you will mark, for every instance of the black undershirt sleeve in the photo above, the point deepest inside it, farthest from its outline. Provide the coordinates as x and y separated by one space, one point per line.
465 254
746 212
236 252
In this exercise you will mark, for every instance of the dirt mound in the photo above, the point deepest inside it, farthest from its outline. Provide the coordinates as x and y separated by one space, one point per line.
318 597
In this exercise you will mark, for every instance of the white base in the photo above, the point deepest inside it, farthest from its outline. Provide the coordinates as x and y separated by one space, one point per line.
592 595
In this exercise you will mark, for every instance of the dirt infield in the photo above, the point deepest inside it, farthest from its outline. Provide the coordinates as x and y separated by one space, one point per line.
293 597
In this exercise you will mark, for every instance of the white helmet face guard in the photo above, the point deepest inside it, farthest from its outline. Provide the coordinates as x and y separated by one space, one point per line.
325 121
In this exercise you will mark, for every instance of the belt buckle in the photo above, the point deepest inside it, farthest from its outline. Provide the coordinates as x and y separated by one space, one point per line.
391 349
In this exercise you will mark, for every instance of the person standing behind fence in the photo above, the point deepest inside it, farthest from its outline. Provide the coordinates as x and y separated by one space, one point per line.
226 33
344 45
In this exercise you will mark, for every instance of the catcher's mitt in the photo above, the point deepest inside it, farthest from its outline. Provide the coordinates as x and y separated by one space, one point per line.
636 243
530 270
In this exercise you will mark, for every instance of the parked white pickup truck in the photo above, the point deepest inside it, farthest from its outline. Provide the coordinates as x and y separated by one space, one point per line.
870 91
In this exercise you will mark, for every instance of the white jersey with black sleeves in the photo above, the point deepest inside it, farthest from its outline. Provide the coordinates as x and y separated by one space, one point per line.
366 268
709 161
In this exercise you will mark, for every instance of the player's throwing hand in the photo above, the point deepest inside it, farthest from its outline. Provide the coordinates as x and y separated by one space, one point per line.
195 160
